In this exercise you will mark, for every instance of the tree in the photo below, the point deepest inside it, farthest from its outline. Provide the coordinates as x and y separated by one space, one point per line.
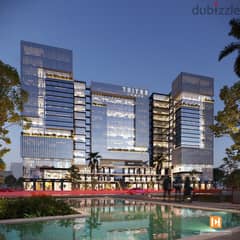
218 175
223 174
19 182
158 163
12 99
2 165
74 175
228 120
193 173
233 180
234 46
10 181
93 163
94 159
229 162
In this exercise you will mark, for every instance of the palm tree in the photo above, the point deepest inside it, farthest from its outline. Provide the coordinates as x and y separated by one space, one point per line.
2 165
74 175
93 163
94 159
235 32
158 163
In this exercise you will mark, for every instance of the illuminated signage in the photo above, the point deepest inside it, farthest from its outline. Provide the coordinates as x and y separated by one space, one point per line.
135 91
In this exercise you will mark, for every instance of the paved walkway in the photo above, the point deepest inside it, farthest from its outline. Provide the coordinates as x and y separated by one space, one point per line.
222 205
233 236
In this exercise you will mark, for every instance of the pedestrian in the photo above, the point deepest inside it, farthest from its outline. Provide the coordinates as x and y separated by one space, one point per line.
178 187
166 187
187 189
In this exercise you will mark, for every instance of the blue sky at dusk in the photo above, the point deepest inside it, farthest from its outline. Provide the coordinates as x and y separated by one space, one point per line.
140 43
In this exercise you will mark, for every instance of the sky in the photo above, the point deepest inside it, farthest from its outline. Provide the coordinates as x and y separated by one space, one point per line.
137 43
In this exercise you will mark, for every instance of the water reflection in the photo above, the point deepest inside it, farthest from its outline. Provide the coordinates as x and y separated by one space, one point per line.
110 219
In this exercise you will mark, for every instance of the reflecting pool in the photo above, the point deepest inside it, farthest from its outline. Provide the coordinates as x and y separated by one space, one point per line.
109 219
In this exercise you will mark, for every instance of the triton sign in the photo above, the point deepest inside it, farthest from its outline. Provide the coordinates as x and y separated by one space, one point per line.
135 91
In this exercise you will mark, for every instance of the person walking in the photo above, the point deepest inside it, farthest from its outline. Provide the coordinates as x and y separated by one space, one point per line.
178 187
187 189
166 187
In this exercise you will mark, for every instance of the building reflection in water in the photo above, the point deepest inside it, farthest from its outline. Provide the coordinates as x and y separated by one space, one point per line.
110 219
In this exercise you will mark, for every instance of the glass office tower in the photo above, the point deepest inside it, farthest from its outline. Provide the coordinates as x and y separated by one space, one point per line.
193 113
179 127
120 123
47 146
129 129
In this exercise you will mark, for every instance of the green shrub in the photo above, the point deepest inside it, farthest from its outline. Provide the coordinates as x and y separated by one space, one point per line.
33 207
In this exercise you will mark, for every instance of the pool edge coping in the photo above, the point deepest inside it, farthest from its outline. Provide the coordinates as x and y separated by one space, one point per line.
185 205
47 218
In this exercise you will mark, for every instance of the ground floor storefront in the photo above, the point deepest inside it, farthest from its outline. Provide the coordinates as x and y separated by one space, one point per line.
47 185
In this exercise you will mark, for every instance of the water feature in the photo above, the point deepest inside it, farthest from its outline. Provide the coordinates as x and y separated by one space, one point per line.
112 219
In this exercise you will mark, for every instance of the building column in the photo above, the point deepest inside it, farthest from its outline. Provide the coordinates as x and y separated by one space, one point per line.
34 185
43 182
61 184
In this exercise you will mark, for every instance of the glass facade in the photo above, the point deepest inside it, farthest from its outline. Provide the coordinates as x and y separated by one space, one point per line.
34 57
59 104
193 114
120 122
46 147
180 125
46 74
188 127
70 119
80 125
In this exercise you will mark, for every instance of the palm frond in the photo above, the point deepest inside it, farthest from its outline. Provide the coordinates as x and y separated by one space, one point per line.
237 66
228 49
235 30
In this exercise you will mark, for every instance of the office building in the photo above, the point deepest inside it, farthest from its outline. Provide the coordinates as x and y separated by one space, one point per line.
130 128
47 146
193 114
